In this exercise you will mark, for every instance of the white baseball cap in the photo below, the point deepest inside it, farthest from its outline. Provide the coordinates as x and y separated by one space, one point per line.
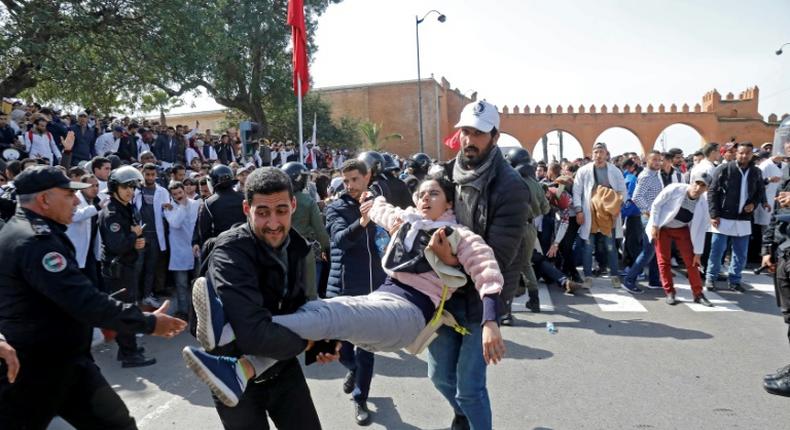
481 115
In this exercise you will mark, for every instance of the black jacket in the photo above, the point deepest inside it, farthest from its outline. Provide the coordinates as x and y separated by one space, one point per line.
724 192
252 285
776 236
395 191
115 225
127 149
220 212
500 220
47 305
355 262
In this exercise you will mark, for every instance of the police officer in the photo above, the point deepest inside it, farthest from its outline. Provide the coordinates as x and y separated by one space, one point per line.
47 311
417 167
122 239
400 191
380 185
776 253
222 210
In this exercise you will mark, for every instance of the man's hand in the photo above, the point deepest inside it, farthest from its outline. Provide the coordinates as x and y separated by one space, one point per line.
714 222
137 229
580 218
696 261
774 179
139 243
768 263
68 142
324 358
167 326
784 198
364 209
493 345
196 250
748 208
767 207
654 233
552 250
395 226
167 206
8 354
441 247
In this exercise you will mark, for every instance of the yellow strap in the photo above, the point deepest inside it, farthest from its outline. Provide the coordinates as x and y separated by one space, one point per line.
437 316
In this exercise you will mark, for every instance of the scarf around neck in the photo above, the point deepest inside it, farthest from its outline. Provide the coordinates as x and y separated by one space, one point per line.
464 176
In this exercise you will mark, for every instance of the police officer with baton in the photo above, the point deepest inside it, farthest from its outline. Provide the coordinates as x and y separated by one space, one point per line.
47 310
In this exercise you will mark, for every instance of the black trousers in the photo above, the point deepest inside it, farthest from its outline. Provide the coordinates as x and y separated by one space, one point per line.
73 389
285 398
782 285
632 245
127 342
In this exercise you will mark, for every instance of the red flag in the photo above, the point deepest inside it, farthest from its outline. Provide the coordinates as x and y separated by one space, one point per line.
454 141
299 39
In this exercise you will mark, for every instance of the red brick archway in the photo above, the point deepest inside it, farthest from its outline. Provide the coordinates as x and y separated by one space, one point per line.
716 120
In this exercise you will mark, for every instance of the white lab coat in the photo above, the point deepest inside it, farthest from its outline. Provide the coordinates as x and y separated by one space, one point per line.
666 206
41 145
769 168
79 231
161 196
582 193
182 219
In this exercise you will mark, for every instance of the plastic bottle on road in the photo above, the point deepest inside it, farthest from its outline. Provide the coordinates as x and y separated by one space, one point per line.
550 328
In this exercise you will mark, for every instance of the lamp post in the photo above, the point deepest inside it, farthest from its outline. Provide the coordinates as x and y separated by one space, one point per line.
779 51
417 21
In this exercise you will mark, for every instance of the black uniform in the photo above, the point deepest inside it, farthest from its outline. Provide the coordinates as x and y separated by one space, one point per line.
47 311
776 242
118 239
220 212
7 201
399 192
255 282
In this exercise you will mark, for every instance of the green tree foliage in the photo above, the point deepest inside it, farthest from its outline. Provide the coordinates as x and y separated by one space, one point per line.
372 134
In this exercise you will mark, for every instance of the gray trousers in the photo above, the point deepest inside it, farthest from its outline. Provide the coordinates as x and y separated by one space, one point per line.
378 321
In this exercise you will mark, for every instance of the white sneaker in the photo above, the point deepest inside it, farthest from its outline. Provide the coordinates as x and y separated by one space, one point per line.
152 301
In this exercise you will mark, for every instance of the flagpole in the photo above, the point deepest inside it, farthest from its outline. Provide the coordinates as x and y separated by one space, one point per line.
299 109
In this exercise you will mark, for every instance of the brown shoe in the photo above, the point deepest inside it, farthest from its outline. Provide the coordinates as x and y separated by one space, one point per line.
571 287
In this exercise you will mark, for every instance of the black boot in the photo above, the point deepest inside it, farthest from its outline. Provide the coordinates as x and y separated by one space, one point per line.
533 304
779 374
460 423
779 386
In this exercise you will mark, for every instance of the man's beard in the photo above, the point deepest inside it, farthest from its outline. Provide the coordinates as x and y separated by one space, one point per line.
475 158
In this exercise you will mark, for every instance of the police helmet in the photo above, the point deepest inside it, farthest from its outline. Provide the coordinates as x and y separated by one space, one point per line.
421 162
220 176
390 165
374 161
518 156
298 173
124 175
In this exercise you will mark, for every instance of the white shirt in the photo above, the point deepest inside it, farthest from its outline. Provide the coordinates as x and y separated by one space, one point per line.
107 143
41 145
161 196
182 219
79 231
732 227
762 216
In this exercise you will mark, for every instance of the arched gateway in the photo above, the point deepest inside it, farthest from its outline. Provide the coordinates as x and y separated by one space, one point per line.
716 120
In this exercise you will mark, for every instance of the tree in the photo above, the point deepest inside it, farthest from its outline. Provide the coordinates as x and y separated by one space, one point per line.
371 131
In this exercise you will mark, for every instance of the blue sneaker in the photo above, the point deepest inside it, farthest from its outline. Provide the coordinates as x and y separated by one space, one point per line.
218 372
210 315
632 288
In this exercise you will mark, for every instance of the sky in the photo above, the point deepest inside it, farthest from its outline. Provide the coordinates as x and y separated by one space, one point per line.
518 52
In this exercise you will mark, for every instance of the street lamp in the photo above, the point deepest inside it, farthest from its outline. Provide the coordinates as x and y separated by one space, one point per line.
779 51
417 21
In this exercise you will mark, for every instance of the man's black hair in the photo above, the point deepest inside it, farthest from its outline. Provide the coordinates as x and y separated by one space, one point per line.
445 184
355 164
494 132
98 162
15 167
628 163
174 185
177 167
267 180
668 156
710 148
749 144
149 166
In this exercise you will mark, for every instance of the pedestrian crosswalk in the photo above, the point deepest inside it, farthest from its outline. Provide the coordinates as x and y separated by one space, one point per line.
609 299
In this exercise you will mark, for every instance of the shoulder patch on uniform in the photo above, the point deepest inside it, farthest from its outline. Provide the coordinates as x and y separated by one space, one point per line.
40 228
115 227
54 262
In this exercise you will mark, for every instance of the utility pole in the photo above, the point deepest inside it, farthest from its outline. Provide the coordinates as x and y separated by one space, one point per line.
545 140
559 132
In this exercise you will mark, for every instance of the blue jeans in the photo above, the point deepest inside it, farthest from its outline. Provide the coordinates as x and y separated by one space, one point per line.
718 245
611 251
360 362
457 369
647 256
183 296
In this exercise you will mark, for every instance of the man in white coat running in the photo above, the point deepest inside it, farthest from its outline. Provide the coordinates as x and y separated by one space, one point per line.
598 173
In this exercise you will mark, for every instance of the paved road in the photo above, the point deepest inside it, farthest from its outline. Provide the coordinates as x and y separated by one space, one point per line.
617 362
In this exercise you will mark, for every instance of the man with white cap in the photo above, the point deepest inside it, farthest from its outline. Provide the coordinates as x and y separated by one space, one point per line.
491 199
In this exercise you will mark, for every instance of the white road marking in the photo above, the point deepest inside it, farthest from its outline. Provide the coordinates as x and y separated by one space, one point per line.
612 299
546 305
684 295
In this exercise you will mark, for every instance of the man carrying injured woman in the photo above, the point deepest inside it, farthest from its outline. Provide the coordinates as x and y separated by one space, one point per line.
400 314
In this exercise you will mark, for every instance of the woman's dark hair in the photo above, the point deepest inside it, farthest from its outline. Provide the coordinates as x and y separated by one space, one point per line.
322 184
266 181
445 184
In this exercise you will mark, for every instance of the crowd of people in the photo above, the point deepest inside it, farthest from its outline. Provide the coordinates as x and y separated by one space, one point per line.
340 255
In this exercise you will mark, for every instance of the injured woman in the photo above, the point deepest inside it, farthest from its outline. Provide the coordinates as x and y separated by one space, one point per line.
402 313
